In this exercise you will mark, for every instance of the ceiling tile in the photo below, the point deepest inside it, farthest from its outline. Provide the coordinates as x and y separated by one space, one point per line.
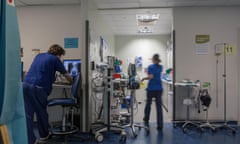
233 2
123 22
153 4
36 2
210 3
116 1
117 5
176 4
65 1
47 2
162 3
19 3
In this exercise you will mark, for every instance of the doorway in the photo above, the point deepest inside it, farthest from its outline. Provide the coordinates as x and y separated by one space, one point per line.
132 38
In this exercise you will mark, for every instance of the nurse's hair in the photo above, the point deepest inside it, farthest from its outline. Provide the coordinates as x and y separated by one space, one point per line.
56 49
156 58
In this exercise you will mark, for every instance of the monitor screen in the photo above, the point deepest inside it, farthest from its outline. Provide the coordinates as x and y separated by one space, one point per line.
73 66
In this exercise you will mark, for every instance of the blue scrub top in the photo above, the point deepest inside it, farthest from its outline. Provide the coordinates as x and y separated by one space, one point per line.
155 83
43 69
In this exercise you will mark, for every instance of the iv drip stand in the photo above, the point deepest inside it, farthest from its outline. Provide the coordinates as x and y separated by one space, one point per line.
217 82
225 124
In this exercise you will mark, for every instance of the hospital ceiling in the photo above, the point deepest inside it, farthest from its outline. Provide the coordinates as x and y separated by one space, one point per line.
121 14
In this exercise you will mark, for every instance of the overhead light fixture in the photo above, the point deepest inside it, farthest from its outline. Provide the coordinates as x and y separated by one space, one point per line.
145 30
147 19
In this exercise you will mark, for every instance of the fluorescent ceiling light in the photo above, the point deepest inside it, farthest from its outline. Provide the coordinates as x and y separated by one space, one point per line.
147 19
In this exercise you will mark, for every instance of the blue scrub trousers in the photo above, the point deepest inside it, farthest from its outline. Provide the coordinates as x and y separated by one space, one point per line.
35 101
158 99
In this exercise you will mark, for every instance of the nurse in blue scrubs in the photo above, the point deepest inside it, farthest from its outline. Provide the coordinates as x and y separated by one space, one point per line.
154 90
37 86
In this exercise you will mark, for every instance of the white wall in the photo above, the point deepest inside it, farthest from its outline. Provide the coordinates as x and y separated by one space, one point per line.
131 46
42 26
221 23
97 27
238 59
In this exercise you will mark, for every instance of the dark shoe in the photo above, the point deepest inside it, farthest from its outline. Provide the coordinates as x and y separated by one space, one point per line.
40 142
159 128
146 123
44 139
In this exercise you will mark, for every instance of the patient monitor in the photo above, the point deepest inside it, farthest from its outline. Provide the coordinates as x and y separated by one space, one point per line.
73 66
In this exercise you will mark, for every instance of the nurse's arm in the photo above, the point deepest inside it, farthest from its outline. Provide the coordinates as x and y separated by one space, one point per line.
68 77
150 76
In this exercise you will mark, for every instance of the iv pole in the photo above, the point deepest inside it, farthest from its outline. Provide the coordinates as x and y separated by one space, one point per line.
225 124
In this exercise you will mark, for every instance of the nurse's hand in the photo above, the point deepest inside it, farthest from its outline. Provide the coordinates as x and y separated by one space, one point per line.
68 77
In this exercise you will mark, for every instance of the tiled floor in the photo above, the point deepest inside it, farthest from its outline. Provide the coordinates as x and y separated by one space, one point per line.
169 135
139 112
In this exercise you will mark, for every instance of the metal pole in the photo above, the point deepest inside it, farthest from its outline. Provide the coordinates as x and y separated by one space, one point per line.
224 76
217 82
174 77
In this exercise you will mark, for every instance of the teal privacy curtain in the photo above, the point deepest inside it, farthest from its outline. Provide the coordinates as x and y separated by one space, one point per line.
2 60
12 106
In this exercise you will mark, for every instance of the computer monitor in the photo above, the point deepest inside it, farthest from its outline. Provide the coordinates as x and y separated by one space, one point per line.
73 66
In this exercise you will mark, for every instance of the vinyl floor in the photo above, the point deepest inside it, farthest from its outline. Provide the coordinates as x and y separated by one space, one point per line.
170 134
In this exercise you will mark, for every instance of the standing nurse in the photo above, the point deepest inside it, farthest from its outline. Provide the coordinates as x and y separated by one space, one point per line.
154 90
37 86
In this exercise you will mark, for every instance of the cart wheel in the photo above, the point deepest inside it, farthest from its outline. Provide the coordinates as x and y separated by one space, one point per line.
134 134
147 131
123 138
174 125
213 130
99 137
123 133
184 130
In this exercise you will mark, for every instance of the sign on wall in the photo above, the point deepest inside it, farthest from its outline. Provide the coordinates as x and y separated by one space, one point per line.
103 49
228 49
35 52
71 42
138 61
202 43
